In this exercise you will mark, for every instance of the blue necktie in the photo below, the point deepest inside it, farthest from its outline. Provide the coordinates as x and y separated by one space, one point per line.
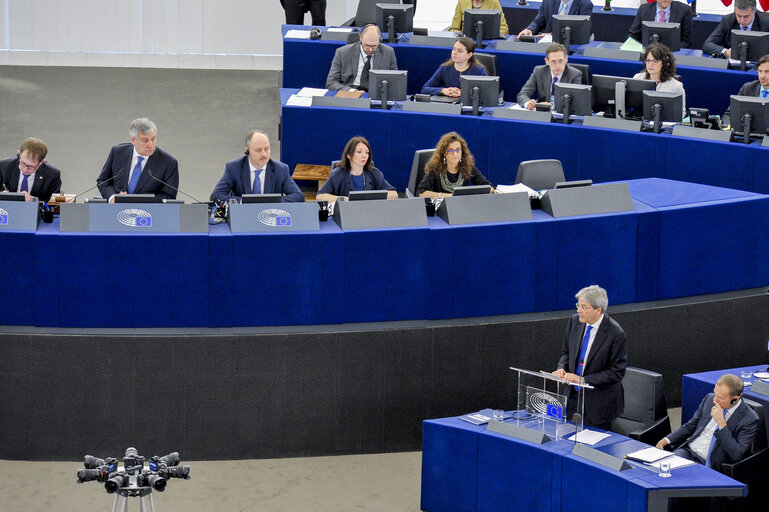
135 175
764 93
257 188
712 443
562 8
25 184
583 353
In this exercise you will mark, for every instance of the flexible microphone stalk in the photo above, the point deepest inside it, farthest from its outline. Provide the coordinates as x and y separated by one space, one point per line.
99 183
176 189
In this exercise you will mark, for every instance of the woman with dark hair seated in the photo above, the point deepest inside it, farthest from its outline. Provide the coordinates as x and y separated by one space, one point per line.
355 171
451 166
661 67
445 80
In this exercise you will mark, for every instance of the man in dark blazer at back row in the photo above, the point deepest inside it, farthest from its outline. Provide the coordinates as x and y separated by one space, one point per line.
664 11
30 173
543 79
543 21
352 62
139 166
744 17
760 87
595 353
256 173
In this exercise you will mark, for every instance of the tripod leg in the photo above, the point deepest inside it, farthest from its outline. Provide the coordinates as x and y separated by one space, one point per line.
114 507
141 504
152 503
125 504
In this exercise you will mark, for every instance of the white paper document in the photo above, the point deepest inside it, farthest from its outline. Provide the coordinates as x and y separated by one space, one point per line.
590 437
297 34
299 101
674 460
309 92
518 187
339 29
650 454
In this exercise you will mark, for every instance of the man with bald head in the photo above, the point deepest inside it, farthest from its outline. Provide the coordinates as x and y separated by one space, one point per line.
352 62
256 173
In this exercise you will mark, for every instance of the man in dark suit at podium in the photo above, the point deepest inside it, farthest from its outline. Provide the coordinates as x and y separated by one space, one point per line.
744 17
30 173
139 166
543 21
721 430
758 87
664 11
256 173
595 353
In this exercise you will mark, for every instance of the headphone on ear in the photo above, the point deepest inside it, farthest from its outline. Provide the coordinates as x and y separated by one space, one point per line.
734 400
246 151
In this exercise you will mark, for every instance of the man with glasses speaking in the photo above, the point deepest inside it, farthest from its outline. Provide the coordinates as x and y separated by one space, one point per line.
352 62
595 353
29 172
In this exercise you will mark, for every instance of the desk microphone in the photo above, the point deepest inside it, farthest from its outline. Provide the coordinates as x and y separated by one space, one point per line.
99 183
176 189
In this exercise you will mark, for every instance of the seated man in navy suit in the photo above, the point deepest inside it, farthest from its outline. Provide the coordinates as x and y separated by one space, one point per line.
744 17
30 173
721 430
758 87
139 166
256 173
543 21
664 11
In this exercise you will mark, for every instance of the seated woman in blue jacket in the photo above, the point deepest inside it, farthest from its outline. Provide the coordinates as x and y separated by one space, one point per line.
445 80
355 171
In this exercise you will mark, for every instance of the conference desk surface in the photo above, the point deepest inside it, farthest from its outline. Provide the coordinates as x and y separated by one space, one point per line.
466 468
306 64
672 244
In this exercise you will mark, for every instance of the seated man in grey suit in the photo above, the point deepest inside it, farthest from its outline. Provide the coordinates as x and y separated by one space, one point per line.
664 11
351 64
744 17
721 430
543 78
758 87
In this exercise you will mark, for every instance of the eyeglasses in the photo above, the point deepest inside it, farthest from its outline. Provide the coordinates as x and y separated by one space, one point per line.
28 167
371 46
651 61
454 151
583 307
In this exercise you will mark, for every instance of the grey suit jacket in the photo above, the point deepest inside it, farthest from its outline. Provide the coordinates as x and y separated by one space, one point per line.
750 89
540 82
344 67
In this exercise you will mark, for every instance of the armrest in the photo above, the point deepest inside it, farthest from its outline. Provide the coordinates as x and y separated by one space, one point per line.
652 433
751 466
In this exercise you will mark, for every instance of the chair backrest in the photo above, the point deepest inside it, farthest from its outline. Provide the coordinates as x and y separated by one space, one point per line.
644 395
353 37
489 61
335 163
760 440
540 174
366 12
421 157
587 76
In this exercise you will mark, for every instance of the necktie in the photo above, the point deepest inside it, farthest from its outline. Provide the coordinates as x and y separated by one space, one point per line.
712 443
562 8
135 175
583 353
552 87
257 188
764 93
663 17
364 74
25 184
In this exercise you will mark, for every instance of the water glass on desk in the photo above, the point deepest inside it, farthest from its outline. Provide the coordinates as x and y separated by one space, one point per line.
498 414
664 470
746 375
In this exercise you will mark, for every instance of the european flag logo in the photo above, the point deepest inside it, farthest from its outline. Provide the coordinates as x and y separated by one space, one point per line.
283 221
554 411
144 222
4 220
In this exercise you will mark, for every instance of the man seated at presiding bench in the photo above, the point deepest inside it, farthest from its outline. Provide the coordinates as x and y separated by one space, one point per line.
543 21
543 78
256 173
352 62
744 17
721 430
459 14
664 11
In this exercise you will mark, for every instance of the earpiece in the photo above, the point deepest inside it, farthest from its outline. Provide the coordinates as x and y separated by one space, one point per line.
246 151
734 401
315 33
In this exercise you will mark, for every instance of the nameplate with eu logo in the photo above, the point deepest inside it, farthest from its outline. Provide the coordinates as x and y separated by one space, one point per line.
273 217
19 216
135 218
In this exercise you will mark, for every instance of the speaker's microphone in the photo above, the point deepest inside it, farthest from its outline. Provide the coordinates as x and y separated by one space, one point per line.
99 183
149 171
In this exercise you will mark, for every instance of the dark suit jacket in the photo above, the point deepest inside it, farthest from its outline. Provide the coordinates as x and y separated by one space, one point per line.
722 36
541 81
604 368
543 21
750 89
732 442
236 181
344 67
162 166
679 13
47 179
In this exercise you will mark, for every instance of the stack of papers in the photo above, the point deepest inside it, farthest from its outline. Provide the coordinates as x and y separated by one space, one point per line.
590 437
654 456
518 187
297 34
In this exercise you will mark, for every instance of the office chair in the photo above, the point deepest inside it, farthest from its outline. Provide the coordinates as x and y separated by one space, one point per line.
421 157
587 75
646 414
540 174
752 469
489 61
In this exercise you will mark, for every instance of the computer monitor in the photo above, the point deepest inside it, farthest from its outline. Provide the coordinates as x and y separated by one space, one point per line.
366 195
134 198
12 196
748 45
668 34
480 24
749 116
479 91
569 30
573 99
573 184
387 85
623 96
472 190
260 198
663 106
394 19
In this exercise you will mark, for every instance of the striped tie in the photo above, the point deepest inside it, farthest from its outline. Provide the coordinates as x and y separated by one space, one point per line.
562 8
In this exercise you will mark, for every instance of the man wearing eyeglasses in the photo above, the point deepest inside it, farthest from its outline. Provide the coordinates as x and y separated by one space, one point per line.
594 353
744 17
352 62
29 173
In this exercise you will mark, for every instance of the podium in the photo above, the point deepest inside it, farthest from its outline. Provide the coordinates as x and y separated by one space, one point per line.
135 218
19 215
483 208
273 217
378 214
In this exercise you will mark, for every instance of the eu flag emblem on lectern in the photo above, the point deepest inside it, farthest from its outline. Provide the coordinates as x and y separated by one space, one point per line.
144 222
4 220
283 220
554 411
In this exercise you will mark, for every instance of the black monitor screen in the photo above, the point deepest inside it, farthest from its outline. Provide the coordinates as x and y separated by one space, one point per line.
490 19
365 195
579 26
668 34
12 196
389 82
488 89
671 104
260 198
757 44
403 17
758 108
134 198
472 190
578 97
604 97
